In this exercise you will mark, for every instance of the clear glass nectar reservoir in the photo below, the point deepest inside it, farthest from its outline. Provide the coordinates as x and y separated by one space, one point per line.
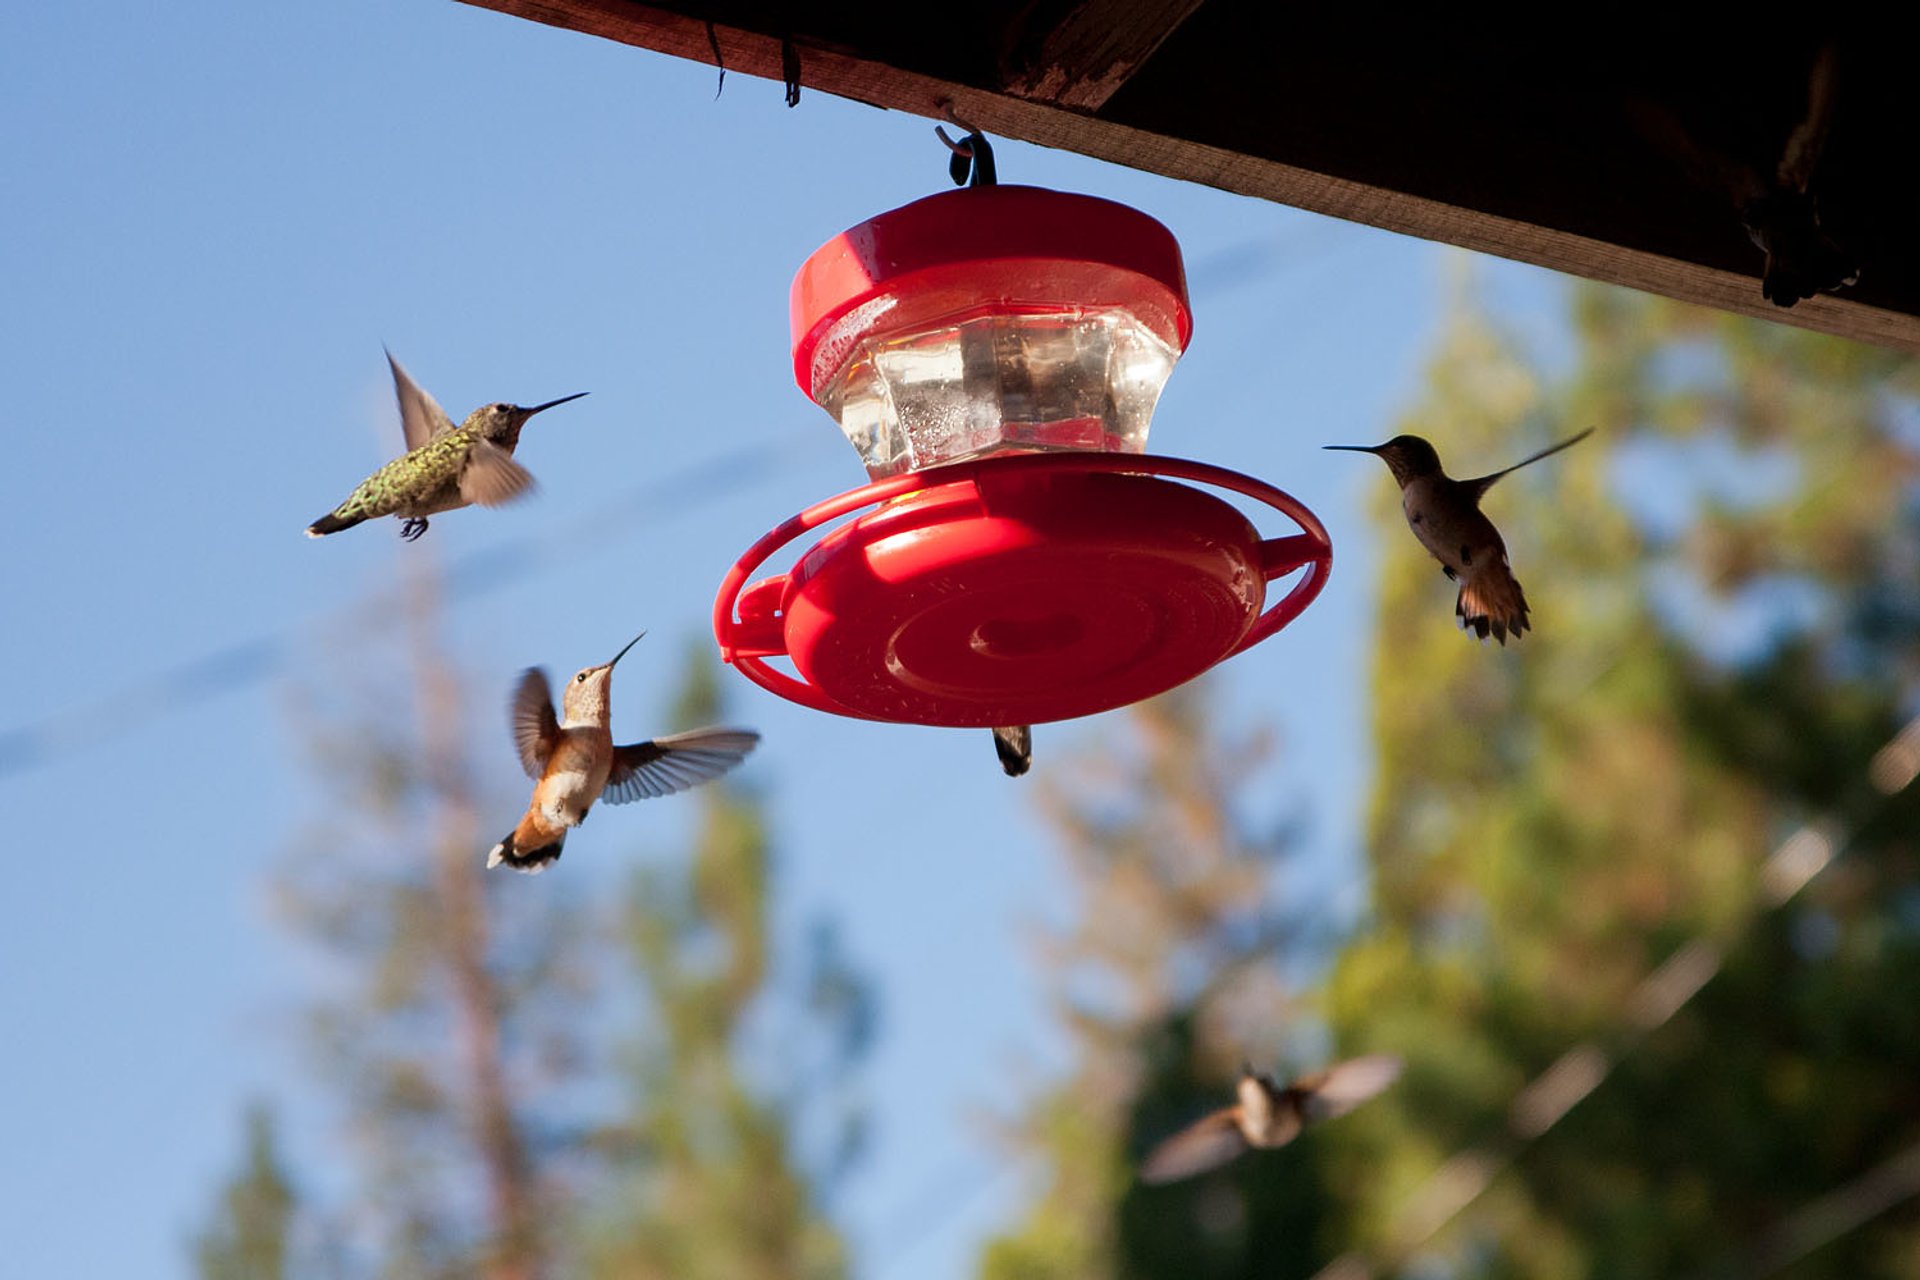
994 383
991 320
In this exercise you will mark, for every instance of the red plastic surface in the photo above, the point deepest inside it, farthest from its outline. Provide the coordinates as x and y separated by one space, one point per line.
982 250
1016 590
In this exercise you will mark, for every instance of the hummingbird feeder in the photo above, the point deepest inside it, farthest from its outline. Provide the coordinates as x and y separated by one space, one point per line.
994 355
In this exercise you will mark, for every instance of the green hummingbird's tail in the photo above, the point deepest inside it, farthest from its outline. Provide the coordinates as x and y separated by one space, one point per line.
332 522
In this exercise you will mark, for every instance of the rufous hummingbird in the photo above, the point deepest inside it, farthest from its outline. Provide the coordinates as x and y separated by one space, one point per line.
1268 1114
1445 515
1013 743
445 466
574 763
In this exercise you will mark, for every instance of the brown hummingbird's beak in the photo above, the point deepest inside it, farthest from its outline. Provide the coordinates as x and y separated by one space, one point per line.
540 408
629 644
1355 448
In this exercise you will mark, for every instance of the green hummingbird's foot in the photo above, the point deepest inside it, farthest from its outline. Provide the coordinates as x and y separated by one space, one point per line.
412 529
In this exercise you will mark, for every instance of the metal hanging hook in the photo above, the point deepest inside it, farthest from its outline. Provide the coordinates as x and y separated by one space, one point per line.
972 162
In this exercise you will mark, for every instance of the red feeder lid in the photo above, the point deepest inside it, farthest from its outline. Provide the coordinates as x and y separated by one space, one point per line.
1017 590
993 249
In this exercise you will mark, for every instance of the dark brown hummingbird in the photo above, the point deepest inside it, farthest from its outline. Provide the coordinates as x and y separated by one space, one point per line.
1268 1114
1445 515
1014 745
1778 204
573 762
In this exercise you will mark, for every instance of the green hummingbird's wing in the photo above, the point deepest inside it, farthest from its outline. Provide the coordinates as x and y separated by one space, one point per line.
536 730
661 766
491 476
421 417
1205 1144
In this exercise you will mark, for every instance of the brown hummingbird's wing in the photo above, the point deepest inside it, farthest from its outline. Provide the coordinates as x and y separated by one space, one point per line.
1484 483
1803 148
1704 165
421 417
1345 1085
491 476
661 766
536 730
1205 1144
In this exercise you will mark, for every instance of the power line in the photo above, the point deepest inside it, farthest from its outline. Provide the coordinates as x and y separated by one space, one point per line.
1833 1215
248 662
235 666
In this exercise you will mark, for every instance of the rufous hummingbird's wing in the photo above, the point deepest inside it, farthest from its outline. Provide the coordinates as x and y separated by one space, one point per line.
1483 483
662 766
491 476
536 730
1207 1143
1345 1085
421 417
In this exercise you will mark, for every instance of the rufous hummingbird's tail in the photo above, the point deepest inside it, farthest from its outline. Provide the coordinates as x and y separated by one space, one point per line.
331 523
529 847
1491 601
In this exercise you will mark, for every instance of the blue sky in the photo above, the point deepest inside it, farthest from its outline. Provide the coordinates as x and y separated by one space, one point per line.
217 214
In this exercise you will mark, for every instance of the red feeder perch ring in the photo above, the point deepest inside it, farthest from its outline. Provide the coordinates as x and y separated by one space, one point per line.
1017 589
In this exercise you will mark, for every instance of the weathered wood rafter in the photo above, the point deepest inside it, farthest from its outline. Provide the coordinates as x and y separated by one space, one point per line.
1481 144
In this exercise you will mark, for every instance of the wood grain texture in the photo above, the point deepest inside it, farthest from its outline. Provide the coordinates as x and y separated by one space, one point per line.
830 65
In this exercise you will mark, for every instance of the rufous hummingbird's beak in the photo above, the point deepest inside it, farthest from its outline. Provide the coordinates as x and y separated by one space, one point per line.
540 408
628 645
1355 448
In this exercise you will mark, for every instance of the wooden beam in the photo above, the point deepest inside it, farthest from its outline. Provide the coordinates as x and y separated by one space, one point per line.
1083 59
837 71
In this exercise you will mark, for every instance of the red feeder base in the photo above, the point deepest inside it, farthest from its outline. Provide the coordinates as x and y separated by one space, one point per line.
1017 590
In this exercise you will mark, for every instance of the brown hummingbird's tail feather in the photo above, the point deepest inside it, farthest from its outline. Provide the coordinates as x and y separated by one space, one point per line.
1014 745
529 847
1491 601
331 523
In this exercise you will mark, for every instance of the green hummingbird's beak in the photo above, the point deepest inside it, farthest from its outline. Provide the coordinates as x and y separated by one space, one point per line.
541 408
628 645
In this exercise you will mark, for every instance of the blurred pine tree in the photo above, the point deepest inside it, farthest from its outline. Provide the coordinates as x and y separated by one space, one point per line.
249 1235
1728 628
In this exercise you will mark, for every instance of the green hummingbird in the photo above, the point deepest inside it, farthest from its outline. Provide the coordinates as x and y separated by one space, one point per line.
445 467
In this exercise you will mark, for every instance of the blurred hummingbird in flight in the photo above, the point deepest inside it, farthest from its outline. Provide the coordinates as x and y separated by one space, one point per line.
445 466
1268 1114
1445 515
573 762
